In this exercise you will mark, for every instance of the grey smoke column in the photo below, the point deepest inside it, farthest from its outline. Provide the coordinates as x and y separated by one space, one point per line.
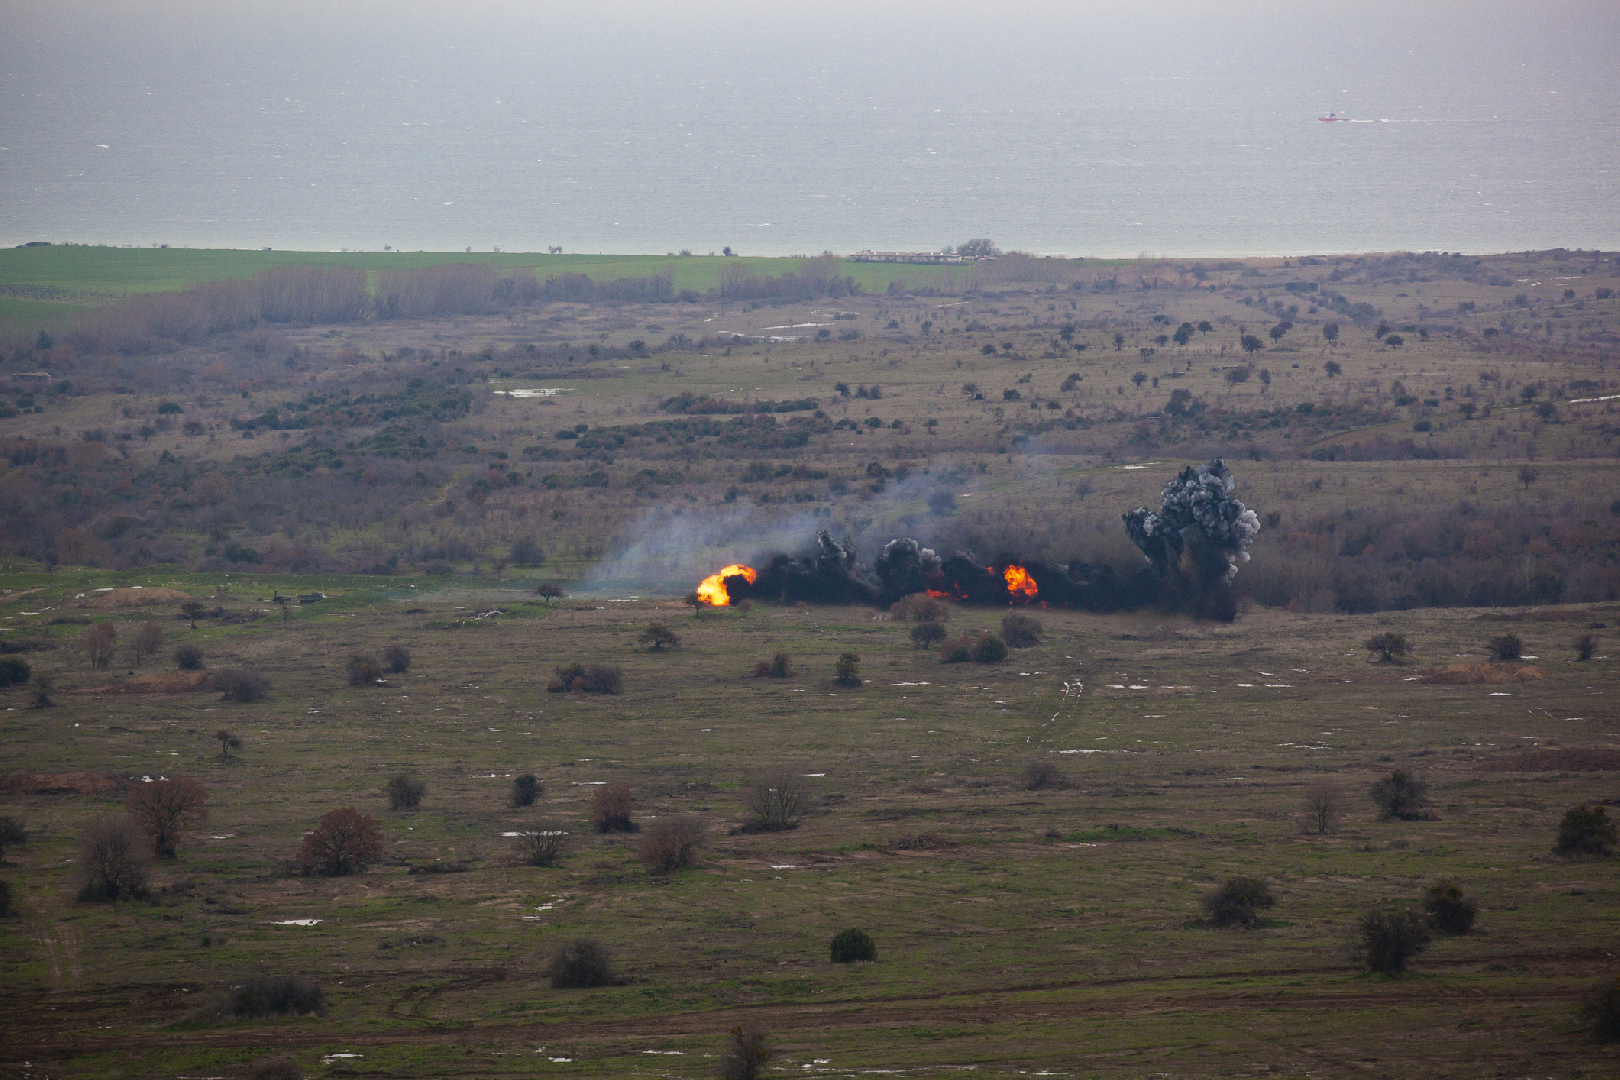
1198 537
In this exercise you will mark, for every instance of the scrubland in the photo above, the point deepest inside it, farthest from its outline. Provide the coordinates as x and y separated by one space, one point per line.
211 448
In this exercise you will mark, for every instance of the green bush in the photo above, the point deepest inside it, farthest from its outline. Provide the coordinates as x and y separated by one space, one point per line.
1400 795
1238 902
241 686
1389 938
849 946
525 789
659 637
578 964
14 672
1448 910
583 679
1506 647
989 649
925 634
847 671
1041 773
1021 631
984 648
1585 646
188 658
1601 1009
1585 830
404 792
363 670
275 995
1389 647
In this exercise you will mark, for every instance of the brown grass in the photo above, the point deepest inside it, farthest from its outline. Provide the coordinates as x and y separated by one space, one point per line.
1490 674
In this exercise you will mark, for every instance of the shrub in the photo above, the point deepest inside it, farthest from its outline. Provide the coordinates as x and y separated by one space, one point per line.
1323 805
1388 647
14 672
363 670
957 650
188 658
97 644
275 995
1448 910
404 792
397 659
345 842
111 862
164 807
525 789
13 834
847 671
746 1055
1021 631
42 692
1041 773
549 591
1601 1009
780 667
1506 647
1585 830
925 634
1238 902
580 679
989 649
242 686
672 843
1585 646
6 910
849 946
920 607
1400 795
227 743
580 963
542 847
610 808
658 637
1389 938
275 1068
777 799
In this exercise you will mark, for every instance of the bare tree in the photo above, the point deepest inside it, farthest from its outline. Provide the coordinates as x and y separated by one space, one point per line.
97 644
148 638
111 861
1323 804
777 799
164 807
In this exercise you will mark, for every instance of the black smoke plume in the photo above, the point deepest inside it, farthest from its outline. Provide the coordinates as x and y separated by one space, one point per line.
1192 547
1197 539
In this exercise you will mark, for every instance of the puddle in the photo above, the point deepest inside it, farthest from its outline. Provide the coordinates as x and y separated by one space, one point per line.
296 922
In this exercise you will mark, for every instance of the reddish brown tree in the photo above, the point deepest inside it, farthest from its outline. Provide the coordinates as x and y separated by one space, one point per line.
344 842
164 807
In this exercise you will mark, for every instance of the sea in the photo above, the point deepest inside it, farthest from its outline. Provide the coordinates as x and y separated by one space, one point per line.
1098 130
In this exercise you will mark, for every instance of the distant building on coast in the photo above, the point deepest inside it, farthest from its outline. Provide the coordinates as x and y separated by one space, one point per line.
910 257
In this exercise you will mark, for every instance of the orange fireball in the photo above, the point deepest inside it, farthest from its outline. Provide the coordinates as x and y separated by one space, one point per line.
1019 583
713 590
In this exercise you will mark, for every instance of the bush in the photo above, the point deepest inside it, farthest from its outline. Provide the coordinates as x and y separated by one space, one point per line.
1323 804
148 637
777 800
1585 646
42 692
847 671
1041 773
345 842
580 963
1585 830
164 807
97 644
1389 939
780 667
13 834
525 789
985 648
275 995
397 659
188 658
925 634
6 910
1238 902
111 862
920 607
275 1068
363 670
1601 1009
1021 631
549 591
404 792
580 679
672 843
241 686
1400 795
1388 647
658 637
849 946
610 808
745 1055
1506 647
543 847
14 672
227 743
1448 910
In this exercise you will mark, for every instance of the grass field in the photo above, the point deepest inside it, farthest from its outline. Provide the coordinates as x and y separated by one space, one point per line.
1055 931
